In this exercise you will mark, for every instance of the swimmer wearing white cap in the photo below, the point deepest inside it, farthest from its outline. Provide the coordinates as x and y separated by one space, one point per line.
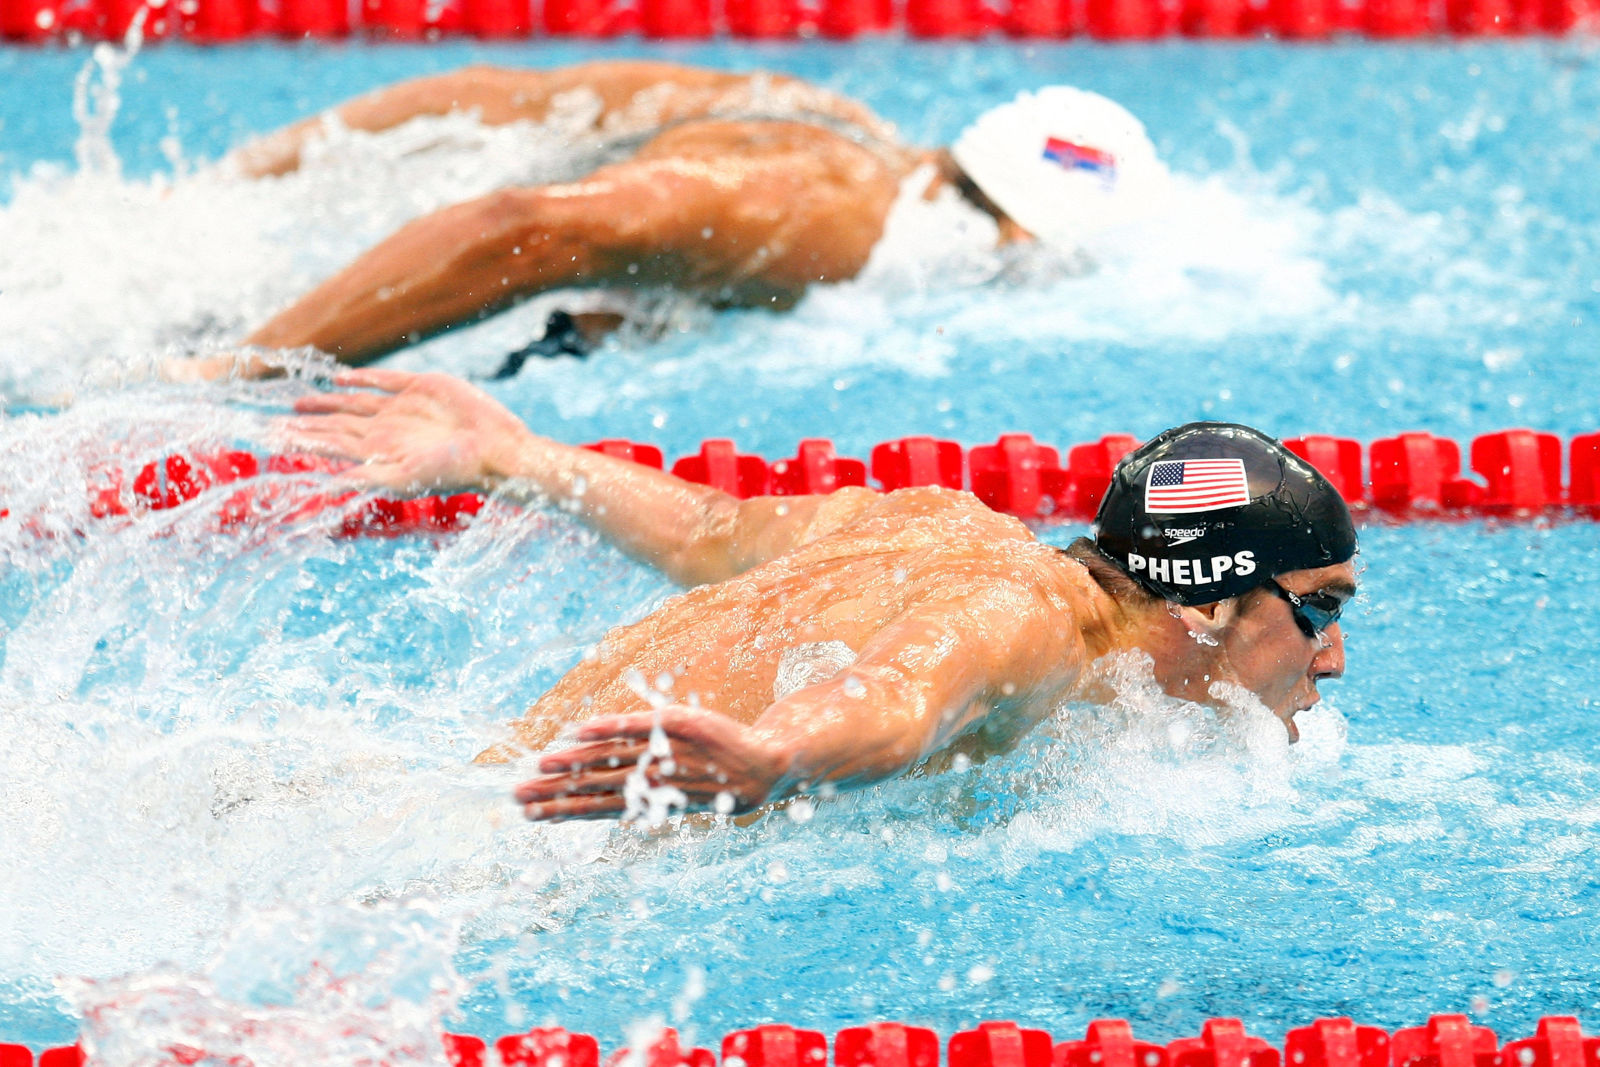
743 189
826 642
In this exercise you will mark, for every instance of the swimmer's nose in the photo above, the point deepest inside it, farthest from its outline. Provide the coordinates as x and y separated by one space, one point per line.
1329 660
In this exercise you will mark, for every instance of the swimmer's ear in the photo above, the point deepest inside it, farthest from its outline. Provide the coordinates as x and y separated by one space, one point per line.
1208 620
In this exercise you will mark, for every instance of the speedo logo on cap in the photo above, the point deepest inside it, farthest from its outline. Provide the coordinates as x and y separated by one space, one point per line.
1176 486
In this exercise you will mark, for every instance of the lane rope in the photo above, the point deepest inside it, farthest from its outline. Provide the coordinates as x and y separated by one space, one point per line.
214 22
1512 474
1445 1041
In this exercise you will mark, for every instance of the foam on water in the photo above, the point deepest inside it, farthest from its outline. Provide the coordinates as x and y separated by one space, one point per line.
239 760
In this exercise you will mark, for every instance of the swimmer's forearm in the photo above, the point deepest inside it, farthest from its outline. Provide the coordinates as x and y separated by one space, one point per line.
653 516
433 433
873 722
447 268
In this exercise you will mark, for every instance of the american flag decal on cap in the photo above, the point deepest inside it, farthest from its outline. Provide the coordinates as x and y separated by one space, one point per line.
1180 485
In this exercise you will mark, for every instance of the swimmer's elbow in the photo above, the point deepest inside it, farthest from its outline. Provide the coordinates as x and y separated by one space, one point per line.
709 550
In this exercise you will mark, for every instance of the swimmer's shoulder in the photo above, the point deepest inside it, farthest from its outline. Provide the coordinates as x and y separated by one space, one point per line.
950 514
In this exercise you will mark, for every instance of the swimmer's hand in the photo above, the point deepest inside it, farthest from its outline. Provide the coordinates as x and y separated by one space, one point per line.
716 763
243 364
415 433
211 368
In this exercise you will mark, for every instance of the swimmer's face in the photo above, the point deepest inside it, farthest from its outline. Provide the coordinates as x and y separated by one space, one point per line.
1268 653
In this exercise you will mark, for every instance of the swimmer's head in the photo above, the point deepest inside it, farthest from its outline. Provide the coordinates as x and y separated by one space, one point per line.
1211 510
1063 163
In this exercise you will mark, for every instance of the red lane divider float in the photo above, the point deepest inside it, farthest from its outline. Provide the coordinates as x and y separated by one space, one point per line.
1513 474
1446 1041
220 21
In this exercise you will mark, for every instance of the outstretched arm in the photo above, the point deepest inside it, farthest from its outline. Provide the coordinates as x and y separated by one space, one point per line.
946 670
452 266
673 92
765 217
431 432
498 96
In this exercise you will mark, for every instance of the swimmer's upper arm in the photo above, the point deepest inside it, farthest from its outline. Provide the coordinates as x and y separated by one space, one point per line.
737 535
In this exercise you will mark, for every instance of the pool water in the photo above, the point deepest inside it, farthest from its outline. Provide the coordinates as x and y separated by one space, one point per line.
237 807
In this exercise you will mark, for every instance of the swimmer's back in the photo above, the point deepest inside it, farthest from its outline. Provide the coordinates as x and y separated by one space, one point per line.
863 560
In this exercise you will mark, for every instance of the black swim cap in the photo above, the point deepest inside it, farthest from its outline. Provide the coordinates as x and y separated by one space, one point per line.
1213 509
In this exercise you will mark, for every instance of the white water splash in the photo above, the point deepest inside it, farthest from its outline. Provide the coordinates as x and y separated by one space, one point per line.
1150 764
357 985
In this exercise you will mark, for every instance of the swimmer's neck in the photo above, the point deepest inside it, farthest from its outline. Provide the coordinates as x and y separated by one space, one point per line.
1183 661
1105 624
948 172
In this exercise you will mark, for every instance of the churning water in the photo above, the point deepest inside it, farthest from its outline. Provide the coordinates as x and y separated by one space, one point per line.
237 808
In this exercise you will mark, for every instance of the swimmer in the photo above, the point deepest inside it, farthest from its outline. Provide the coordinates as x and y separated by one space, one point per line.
741 189
1217 552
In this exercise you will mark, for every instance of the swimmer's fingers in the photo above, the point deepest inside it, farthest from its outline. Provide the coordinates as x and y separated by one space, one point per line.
607 806
387 381
322 440
603 755
676 722
347 437
555 786
708 754
339 404
376 475
355 427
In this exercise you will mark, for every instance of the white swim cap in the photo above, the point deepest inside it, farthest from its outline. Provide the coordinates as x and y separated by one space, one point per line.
1065 163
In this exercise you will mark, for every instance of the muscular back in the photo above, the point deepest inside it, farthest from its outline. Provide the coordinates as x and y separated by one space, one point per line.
866 562
748 212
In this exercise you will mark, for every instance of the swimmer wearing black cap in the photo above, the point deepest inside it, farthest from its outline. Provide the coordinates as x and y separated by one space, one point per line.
833 641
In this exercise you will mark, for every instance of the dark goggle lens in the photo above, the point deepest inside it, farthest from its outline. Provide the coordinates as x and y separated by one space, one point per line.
1319 611
1314 612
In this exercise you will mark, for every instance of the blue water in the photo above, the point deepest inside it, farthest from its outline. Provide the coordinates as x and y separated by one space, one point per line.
238 762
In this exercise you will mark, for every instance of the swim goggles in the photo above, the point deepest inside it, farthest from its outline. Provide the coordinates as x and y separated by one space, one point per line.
1314 612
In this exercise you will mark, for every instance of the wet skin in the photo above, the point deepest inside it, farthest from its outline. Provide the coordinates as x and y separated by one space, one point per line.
967 630
725 198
